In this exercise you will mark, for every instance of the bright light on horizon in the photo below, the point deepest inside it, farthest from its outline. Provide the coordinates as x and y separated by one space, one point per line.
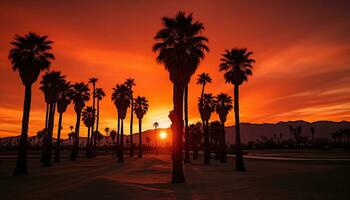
163 135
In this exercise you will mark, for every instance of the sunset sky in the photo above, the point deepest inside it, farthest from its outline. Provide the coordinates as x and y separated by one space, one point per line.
301 48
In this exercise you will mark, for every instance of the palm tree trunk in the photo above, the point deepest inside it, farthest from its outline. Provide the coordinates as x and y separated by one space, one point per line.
140 138
57 152
223 145
155 137
48 143
117 143
206 143
202 91
121 147
98 114
88 145
187 151
93 135
21 162
239 154
177 171
47 115
75 149
131 123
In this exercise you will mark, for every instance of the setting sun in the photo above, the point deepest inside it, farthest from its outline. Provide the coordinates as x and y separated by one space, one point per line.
163 135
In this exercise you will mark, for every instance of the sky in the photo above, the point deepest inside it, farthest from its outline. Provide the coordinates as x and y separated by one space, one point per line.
301 48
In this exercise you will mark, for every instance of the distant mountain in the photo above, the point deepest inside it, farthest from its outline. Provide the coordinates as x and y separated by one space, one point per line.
249 132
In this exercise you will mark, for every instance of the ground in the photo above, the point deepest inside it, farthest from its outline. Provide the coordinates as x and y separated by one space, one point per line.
149 178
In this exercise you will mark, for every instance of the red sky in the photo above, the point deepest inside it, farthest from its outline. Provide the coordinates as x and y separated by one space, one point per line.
302 51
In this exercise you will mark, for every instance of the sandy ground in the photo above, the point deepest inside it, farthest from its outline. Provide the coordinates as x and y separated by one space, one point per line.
148 178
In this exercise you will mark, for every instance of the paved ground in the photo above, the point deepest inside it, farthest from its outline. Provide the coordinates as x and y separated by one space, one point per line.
148 178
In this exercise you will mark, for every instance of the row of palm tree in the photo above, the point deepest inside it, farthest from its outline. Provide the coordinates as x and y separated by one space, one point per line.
180 47
30 55
122 97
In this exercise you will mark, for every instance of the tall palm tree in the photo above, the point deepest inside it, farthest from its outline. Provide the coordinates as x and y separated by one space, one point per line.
88 119
29 56
195 132
130 83
99 94
180 48
203 79
237 64
64 99
107 134
223 107
91 149
206 106
140 109
50 85
113 134
121 99
80 94
156 125
187 138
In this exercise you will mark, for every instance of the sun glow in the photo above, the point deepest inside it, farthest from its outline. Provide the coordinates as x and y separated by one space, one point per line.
163 135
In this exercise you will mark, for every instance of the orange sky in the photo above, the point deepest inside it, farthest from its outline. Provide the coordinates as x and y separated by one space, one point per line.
302 51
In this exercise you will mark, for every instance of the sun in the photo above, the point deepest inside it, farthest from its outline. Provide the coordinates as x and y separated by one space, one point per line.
163 135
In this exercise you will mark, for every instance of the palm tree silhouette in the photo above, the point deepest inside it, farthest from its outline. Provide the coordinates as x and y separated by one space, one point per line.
121 99
107 134
112 134
206 106
29 56
156 125
80 94
140 109
238 66
180 48
195 132
223 107
64 99
92 145
130 83
203 79
40 134
50 85
88 119
99 94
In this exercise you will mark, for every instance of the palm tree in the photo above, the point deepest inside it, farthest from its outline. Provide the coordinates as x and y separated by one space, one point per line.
99 137
156 125
29 56
112 134
88 119
203 79
50 85
91 150
40 134
206 106
238 66
140 109
195 132
223 107
107 134
130 83
180 48
121 99
80 94
99 94
64 99
187 150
